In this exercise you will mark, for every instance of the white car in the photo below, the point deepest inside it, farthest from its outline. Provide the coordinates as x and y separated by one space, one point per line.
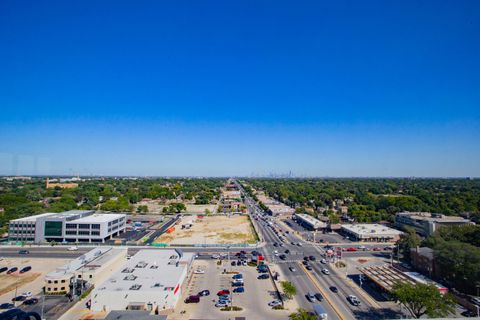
275 303
325 271
199 271
323 261
27 294
215 256
74 248
221 304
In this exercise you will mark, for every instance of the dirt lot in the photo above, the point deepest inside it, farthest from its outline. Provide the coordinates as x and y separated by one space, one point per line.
212 230
154 207
29 281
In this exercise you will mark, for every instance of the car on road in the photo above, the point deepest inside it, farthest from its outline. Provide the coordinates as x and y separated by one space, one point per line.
223 292
309 268
263 276
292 269
305 258
323 261
282 256
311 297
305 263
19 298
318 296
468 314
312 258
193 299
299 244
5 306
204 293
73 248
12 270
353 300
333 289
31 301
377 249
352 249
325 271
275 303
25 269
23 252
239 290
287 251
215 256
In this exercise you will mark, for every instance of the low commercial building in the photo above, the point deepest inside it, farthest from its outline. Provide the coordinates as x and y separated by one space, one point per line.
151 280
309 221
425 223
88 267
370 232
68 226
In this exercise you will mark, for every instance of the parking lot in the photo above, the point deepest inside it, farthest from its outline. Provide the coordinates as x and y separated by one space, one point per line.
254 301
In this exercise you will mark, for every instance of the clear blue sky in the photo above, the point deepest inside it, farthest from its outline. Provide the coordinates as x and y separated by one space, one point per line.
321 88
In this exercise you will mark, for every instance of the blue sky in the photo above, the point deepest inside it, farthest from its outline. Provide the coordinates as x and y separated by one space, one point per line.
319 88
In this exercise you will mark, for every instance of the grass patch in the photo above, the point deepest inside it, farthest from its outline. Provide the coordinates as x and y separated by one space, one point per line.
234 308
278 308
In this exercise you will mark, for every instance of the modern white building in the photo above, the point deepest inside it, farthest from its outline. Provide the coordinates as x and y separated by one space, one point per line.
68 226
309 221
370 232
96 263
151 280
425 223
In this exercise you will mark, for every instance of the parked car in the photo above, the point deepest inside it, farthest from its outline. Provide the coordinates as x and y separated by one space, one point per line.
263 276
12 270
282 256
239 290
215 256
221 304
193 299
237 284
311 297
234 263
333 289
25 269
23 252
275 303
237 276
5 306
199 271
31 301
377 249
223 292
3 269
287 251
27 294
204 293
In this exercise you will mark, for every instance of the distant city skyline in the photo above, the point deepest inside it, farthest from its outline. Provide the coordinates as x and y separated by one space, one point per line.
338 89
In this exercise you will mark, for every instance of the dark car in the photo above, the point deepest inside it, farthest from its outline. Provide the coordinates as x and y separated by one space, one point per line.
319 296
333 289
263 276
255 253
19 298
23 252
234 263
192 299
309 268
25 269
239 290
204 293
283 257
3 269
312 258
468 314
31 301
305 262
287 251
237 284
12 270
305 258
5 306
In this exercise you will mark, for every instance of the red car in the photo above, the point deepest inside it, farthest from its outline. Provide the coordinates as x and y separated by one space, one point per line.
352 249
223 292
377 249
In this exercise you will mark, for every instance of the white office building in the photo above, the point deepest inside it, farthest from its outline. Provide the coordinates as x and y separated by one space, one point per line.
151 280
370 232
68 226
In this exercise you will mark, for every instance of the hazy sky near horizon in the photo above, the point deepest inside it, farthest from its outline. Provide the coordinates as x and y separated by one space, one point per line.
219 88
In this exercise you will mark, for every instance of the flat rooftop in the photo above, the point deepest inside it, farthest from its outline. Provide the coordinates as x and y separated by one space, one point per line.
309 219
79 262
99 217
103 259
33 218
148 270
385 276
370 229
434 217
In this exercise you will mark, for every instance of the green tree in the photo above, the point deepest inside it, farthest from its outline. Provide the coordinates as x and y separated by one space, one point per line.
302 314
422 299
288 289
409 239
